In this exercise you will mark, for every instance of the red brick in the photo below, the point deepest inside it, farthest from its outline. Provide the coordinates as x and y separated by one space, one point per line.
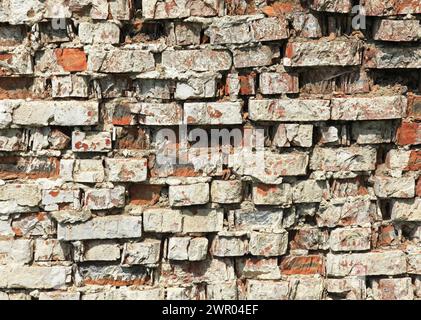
418 188
414 162
71 60
304 265
247 82
144 195
409 133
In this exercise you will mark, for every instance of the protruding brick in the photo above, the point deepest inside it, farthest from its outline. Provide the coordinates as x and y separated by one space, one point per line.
278 83
350 239
302 265
203 113
188 195
323 53
127 170
203 220
367 264
108 227
368 108
289 110
344 159
196 60
91 141
227 192
264 194
268 244
393 289
102 199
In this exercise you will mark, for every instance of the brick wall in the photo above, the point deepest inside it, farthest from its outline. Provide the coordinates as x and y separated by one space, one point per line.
89 209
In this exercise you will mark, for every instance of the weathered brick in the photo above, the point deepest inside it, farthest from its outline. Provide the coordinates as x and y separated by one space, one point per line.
56 113
343 159
119 60
302 265
222 291
397 30
346 212
18 61
188 195
28 168
226 191
59 295
388 57
394 7
258 268
268 244
154 9
323 53
368 108
198 249
36 277
293 135
255 56
91 141
228 246
267 290
55 199
74 86
309 238
264 194
100 32
406 209
19 198
178 248
184 33
17 251
366 264
82 170
102 199
51 250
198 113
350 239
162 220
307 288
100 250
255 220
308 191
196 60
127 293
278 83
393 289
203 220
341 6
146 252
195 88
115 275
388 187
126 170
108 227
159 114
351 288
289 110
34 225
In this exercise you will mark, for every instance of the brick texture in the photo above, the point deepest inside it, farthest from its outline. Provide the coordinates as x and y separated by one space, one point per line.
124 132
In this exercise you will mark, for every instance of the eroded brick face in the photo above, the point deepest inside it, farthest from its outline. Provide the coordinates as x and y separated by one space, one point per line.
124 133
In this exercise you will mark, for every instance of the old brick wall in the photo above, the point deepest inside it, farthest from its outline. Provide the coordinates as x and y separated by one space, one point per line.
88 212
